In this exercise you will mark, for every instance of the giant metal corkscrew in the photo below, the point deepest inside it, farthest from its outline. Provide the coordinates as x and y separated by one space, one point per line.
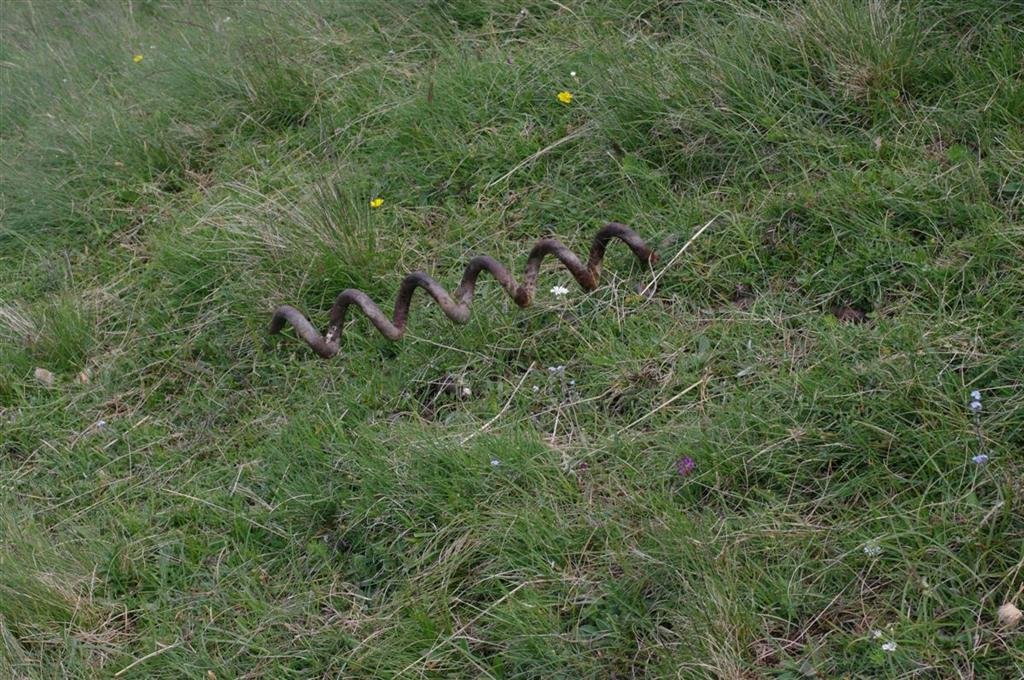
456 307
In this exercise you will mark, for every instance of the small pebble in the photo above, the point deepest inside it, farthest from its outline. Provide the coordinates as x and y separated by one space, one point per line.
1009 616
45 377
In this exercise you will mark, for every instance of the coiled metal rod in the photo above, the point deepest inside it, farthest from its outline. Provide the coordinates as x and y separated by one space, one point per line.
456 307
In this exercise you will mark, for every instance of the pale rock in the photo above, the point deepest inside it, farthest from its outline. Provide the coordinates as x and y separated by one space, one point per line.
1009 616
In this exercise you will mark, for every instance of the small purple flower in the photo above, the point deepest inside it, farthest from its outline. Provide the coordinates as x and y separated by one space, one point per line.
685 466
980 459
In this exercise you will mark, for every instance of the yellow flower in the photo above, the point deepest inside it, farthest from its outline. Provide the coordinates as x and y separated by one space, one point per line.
377 202
565 97
137 58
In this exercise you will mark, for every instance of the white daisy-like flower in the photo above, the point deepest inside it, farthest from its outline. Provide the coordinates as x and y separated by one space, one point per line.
889 646
559 291
572 73
976 395
495 462
872 549
877 634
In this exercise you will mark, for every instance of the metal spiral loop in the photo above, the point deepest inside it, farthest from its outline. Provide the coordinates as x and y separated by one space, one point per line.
456 307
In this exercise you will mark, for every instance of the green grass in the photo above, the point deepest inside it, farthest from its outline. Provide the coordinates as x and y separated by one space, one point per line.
233 505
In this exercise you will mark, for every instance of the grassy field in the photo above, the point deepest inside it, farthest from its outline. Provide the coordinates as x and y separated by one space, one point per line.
182 496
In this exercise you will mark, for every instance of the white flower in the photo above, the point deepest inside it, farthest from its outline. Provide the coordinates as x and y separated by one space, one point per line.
889 646
980 459
872 549
495 462
536 388
572 73
976 406
976 395
559 291
876 633
556 370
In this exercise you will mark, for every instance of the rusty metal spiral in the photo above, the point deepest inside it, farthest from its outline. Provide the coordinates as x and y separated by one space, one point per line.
456 307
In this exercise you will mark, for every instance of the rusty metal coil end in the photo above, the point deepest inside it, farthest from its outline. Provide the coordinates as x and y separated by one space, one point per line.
456 305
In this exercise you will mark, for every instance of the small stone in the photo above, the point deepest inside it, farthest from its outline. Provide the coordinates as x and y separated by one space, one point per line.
743 295
644 291
847 314
1009 616
45 377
